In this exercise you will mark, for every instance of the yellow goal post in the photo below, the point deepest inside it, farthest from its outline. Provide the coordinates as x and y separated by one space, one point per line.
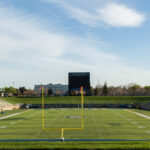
63 129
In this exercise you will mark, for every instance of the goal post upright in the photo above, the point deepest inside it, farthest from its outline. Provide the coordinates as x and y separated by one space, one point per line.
82 103
43 114
63 129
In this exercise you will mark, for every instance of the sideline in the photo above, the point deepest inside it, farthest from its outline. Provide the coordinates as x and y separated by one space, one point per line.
73 140
144 116
13 114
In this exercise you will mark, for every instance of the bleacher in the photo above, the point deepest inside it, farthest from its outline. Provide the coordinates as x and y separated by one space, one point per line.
6 106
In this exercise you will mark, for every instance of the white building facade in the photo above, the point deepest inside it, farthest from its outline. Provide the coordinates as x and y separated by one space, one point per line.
57 89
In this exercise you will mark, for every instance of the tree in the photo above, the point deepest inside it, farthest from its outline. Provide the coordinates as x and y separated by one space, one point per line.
135 89
91 92
105 90
50 92
22 90
96 91
147 90
29 93
10 90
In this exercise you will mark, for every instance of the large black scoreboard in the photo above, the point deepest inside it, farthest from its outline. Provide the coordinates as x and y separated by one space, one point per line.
78 79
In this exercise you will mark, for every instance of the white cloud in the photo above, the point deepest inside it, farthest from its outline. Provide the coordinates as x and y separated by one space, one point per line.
23 35
120 15
30 54
110 13
80 14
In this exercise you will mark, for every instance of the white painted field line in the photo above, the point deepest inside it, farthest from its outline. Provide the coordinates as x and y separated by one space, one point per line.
13 115
147 132
20 119
3 127
12 123
5 102
134 123
136 113
128 119
141 127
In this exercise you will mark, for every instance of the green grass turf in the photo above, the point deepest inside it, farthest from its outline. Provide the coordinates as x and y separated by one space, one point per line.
144 112
9 112
76 100
76 145
98 124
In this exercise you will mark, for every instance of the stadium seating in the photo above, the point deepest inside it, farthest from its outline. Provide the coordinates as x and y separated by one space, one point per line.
7 106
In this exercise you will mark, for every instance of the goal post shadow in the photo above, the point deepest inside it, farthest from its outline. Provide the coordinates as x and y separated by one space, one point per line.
63 129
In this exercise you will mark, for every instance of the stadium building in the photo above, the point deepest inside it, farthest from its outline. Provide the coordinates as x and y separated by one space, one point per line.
78 79
57 89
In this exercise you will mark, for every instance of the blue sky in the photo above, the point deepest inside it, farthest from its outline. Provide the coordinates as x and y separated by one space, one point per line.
43 40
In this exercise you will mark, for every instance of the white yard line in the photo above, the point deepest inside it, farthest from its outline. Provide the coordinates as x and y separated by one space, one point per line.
134 123
147 132
128 119
141 127
13 115
3 127
12 123
138 114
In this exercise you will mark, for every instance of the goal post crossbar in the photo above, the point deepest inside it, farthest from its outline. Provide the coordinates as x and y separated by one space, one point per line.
63 129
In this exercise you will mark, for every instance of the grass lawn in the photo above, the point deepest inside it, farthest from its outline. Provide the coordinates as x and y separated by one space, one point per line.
76 145
98 124
76 100
9 112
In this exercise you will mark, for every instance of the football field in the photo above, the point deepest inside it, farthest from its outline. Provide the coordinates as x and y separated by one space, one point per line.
101 124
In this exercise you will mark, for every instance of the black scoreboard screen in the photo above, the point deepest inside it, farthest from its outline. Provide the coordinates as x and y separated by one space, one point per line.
76 80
